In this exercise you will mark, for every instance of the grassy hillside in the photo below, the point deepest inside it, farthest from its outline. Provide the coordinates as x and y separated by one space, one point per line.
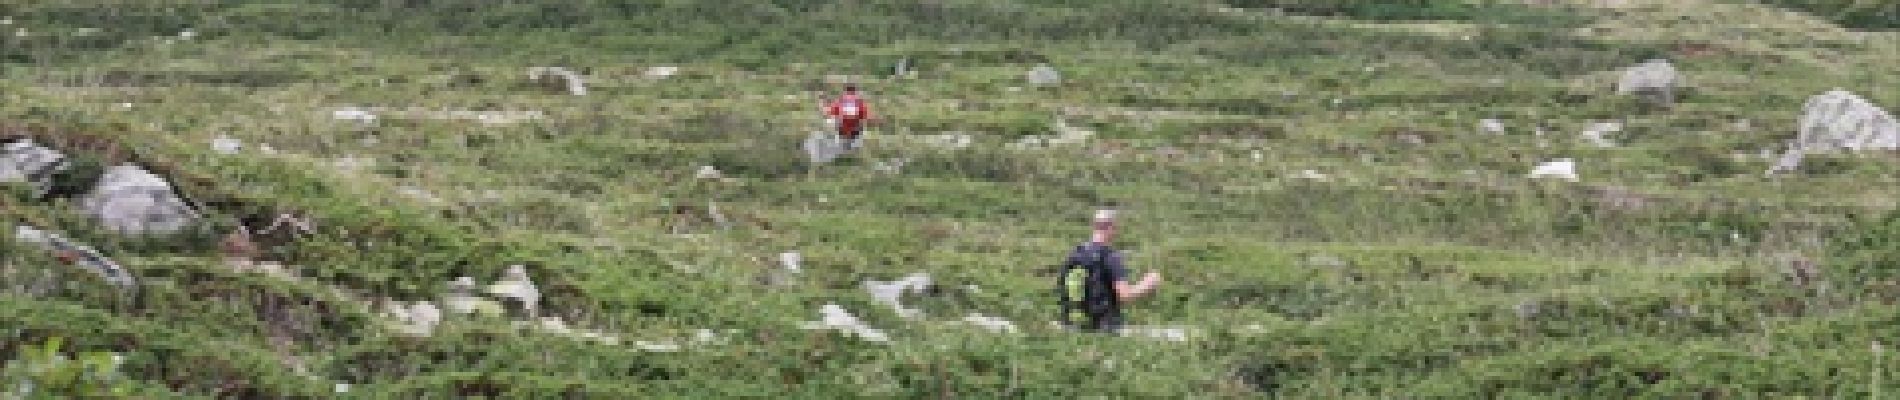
1424 264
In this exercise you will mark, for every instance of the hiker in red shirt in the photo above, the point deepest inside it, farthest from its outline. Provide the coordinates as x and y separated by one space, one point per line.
848 113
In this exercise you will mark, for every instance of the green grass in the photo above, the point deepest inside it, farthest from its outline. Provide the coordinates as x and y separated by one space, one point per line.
1444 242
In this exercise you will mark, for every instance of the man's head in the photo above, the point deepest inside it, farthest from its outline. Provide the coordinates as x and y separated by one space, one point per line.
1102 229
851 88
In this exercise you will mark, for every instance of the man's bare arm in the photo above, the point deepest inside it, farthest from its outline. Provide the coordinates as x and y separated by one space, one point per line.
1126 291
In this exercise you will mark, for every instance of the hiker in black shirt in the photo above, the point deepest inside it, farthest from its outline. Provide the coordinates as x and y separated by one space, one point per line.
1094 281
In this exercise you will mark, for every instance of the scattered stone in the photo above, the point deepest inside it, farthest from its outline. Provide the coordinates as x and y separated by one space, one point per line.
129 200
1840 120
425 314
1044 75
661 72
1172 334
790 261
419 194
187 34
226 145
1491 126
515 285
891 166
24 161
1595 133
353 114
1789 162
658 347
1311 175
1562 168
890 293
74 253
1653 80
352 163
950 140
559 77
461 299
708 172
835 317
992 324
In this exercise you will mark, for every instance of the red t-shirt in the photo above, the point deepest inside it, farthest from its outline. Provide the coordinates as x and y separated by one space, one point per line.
850 111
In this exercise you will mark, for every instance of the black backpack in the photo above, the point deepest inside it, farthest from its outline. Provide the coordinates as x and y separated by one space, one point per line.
1083 288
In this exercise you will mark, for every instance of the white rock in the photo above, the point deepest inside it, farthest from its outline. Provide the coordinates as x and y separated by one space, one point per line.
992 324
1595 134
662 71
341 388
419 194
833 316
1312 175
554 325
658 347
353 114
24 161
187 34
1789 162
129 200
790 261
1067 134
352 163
1562 168
1043 75
226 145
575 85
891 293
1173 334
461 299
891 166
6 21
1839 120
515 284
1491 126
822 147
1655 79
708 172
425 314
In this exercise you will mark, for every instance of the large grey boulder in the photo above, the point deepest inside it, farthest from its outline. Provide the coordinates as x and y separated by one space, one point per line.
1841 120
1654 80
822 148
24 161
130 200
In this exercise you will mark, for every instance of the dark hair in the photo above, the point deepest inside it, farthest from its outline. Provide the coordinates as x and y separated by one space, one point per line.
850 88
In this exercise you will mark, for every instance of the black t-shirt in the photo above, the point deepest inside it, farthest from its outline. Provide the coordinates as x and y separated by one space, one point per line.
1084 254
